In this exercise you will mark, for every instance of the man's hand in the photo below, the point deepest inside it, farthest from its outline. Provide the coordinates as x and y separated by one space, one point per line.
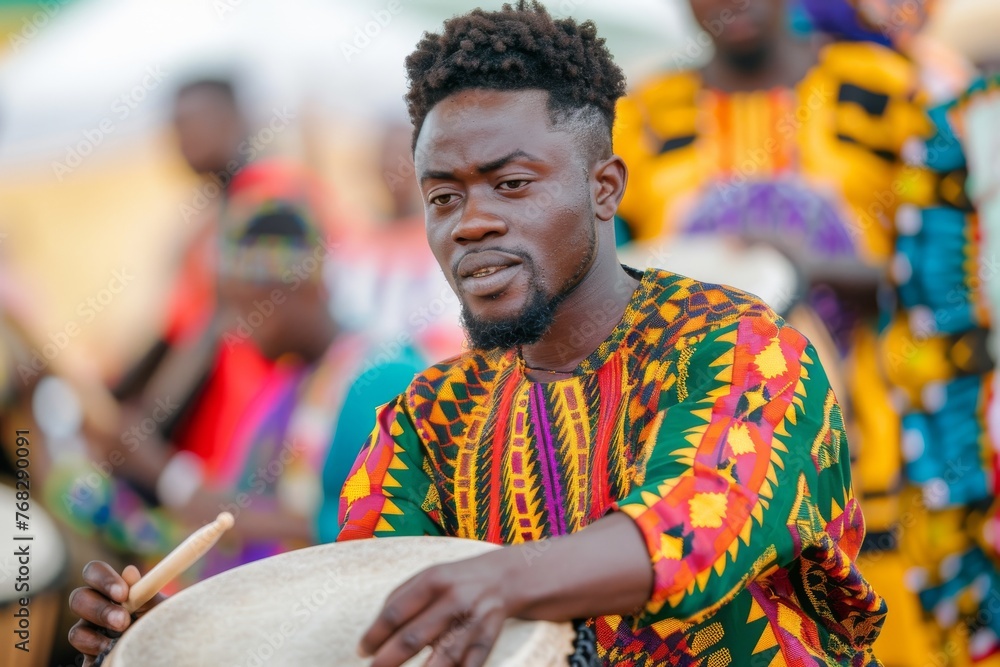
458 608
99 607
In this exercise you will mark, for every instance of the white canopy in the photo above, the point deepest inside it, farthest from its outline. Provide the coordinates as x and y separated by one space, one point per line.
117 61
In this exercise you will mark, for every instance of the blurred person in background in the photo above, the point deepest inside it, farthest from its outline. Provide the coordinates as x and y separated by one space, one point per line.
204 385
389 283
296 440
299 438
938 344
798 142
939 563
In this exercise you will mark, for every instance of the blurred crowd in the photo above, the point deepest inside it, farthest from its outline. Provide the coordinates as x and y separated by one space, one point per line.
836 157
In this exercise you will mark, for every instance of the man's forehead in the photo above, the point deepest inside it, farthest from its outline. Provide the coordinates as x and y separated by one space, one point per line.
480 124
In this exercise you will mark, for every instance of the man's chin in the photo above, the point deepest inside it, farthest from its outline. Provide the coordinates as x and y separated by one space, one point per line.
494 310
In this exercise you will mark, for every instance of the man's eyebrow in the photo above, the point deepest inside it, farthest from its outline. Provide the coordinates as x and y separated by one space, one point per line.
483 168
496 164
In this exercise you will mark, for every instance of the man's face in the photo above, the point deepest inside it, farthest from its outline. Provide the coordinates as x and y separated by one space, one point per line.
739 28
276 326
509 210
208 128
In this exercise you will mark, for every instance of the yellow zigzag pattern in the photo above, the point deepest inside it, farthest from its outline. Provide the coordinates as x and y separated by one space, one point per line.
573 427
525 484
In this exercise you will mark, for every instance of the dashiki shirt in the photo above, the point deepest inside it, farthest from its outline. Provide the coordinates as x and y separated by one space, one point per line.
705 419
820 167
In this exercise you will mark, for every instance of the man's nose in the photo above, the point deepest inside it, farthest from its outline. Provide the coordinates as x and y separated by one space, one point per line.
480 220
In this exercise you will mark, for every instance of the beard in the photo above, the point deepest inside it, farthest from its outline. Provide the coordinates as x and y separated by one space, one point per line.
538 314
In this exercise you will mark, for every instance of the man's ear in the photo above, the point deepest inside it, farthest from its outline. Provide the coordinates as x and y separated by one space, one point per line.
609 179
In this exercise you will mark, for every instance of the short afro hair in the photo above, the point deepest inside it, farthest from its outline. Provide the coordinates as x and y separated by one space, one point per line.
520 47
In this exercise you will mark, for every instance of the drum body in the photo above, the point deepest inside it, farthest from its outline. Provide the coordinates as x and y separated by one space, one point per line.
310 607
45 567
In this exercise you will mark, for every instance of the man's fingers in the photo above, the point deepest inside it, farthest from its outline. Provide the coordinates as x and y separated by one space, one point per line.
479 649
102 577
131 575
402 605
411 638
93 607
467 641
87 639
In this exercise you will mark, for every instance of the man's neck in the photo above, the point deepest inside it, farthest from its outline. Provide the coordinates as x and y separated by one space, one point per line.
786 62
585 319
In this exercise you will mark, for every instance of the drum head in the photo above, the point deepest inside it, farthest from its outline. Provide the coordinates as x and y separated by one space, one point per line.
309 607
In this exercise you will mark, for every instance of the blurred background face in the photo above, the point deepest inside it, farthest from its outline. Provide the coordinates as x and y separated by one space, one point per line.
277 329
741 29
209 128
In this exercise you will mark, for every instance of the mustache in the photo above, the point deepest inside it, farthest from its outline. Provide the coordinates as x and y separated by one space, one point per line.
517 252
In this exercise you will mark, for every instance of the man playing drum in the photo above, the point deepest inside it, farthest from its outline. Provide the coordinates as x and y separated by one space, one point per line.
666 456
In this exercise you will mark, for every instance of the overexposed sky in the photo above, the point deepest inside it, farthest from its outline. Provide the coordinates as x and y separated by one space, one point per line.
117 62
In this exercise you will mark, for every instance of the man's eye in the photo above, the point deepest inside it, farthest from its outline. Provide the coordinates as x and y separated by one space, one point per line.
515 184
442 200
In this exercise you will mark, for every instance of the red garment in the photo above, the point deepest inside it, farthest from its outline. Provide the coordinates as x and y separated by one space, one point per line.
237 376
239 371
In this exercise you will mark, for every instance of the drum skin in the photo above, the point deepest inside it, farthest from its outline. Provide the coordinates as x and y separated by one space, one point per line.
309 607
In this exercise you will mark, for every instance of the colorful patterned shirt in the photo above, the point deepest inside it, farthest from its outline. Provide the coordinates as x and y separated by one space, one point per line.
705 419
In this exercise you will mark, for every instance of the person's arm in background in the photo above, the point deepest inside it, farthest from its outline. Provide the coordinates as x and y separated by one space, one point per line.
377 385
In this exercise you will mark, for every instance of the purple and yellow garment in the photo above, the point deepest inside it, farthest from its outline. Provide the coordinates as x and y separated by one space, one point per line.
704 418
886 22
831 146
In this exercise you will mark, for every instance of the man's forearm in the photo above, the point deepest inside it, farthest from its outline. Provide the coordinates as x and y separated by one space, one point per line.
604 569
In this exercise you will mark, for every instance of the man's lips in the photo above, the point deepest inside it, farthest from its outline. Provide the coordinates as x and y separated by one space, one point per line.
484 262
487 273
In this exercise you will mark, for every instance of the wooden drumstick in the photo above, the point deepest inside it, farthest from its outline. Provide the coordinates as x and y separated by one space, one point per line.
178 560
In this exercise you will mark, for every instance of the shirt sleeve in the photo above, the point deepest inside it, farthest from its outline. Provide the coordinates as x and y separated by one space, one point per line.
373 389
732 466
389 491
